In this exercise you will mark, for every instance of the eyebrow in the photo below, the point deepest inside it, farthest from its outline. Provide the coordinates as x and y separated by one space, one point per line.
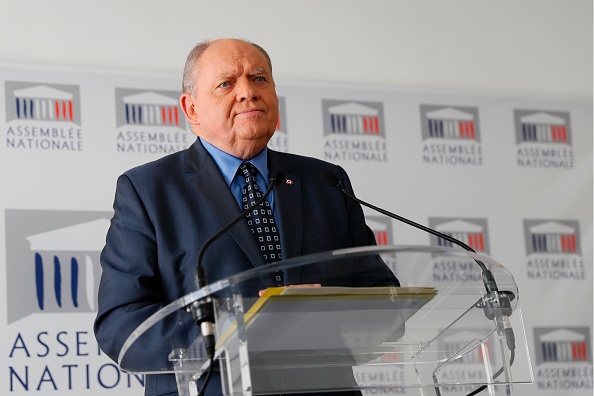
256 72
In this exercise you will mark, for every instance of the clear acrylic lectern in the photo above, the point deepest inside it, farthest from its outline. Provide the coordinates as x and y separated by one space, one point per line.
436 333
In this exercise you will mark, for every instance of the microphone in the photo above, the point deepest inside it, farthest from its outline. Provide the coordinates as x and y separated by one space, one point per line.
203 310
497 300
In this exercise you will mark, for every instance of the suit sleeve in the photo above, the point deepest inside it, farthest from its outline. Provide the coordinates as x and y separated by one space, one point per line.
130 289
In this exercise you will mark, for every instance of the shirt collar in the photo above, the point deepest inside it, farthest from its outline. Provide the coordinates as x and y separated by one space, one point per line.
229 164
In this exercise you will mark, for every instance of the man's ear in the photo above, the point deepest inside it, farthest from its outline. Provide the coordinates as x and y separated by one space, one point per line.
188 106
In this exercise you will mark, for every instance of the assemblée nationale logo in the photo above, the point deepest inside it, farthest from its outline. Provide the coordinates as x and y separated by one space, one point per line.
471 231
553 248
149 122
354 131
43 116
543 139
53 271
563 359
451 135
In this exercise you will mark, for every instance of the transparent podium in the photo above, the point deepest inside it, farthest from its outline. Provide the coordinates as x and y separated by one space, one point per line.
349 325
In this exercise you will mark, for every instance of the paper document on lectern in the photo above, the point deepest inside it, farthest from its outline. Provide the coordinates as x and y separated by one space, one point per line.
298 320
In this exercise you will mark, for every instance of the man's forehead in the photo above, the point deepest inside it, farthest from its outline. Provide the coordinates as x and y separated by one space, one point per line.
233 56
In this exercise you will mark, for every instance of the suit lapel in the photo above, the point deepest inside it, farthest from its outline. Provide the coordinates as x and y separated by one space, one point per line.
288 204
212 188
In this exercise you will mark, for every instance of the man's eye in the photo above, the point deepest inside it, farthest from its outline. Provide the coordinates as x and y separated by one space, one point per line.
261 79
224 85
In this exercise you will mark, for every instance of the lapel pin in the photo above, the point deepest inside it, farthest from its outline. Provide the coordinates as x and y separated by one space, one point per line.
289 182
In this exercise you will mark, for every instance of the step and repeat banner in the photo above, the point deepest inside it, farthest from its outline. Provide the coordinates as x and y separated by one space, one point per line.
509 175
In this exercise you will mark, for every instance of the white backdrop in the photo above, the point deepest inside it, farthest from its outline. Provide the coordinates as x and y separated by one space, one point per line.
513 170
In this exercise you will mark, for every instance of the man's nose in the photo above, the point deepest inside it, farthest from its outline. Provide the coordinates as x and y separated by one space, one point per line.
246 91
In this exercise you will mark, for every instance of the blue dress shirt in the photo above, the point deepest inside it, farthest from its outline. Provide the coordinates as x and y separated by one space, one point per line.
229 164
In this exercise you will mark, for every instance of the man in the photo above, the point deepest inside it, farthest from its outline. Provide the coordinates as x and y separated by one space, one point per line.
165 210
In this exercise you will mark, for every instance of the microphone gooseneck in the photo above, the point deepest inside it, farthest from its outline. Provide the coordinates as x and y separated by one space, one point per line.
333 181
494 301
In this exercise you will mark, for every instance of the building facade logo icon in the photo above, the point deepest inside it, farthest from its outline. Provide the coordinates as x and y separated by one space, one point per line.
147 108
562 345
353 118
542 127
472 232
552 237
53 266
28 101
449 122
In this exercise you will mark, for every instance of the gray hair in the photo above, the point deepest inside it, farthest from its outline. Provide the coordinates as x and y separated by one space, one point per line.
194 57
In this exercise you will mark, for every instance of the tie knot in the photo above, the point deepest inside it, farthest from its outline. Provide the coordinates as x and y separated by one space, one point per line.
248 169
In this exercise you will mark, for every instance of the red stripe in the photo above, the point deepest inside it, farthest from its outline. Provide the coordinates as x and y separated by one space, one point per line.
578 351
376 125
381 238
163 116
365 127
476 241
568 243
70 112
176 116
57 110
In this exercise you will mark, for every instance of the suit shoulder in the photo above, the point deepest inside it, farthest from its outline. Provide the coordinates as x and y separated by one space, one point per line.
155 167
303 161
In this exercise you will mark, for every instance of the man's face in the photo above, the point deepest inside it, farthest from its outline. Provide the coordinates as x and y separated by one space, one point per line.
234 104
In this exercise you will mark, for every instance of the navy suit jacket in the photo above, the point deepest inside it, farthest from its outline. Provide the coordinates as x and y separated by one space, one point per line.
163 213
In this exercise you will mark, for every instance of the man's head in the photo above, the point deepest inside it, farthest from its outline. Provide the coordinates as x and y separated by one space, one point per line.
229 96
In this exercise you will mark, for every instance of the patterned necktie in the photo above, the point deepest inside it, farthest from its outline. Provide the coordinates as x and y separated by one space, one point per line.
260 219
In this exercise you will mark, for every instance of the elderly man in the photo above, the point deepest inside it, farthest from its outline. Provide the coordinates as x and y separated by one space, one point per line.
165 210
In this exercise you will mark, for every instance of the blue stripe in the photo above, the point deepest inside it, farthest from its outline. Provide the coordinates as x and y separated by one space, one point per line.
57 281
74 281
39 279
